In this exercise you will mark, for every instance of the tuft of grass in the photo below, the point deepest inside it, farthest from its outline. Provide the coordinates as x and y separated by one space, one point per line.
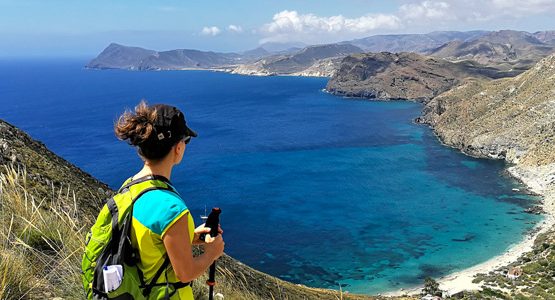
42 241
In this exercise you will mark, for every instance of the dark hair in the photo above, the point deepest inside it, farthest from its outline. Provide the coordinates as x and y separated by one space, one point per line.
138 128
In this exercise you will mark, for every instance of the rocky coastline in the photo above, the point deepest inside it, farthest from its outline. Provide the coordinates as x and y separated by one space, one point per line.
510 119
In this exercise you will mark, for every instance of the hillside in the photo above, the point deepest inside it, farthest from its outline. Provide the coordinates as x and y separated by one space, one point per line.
547 37
47 172
512 118
307 58
504 49
397 76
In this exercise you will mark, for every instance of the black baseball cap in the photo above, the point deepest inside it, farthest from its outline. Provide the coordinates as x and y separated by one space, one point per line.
170 125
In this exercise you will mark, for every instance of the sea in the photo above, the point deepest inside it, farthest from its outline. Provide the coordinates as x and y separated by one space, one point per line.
315 189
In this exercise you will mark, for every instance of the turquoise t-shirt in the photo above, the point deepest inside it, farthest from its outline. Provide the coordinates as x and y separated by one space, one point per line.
153 214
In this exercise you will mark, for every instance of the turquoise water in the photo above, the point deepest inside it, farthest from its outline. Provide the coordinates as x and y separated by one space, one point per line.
315 189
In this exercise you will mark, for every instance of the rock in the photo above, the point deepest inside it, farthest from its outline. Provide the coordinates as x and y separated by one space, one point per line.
535 210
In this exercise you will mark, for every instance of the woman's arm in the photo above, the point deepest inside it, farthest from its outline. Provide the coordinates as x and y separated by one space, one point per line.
186 267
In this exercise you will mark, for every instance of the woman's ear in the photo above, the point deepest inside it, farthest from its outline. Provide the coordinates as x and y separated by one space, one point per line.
177 148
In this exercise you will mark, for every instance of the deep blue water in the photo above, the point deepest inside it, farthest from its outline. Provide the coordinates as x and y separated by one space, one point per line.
314 188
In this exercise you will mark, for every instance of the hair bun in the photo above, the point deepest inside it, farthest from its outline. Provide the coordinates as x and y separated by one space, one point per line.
138 126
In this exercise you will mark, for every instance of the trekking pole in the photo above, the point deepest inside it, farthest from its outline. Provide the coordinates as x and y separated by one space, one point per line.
213 222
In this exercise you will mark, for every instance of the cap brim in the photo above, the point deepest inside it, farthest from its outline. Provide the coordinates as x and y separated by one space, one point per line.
190 132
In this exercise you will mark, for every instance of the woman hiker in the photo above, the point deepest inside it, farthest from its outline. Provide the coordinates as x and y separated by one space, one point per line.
162 225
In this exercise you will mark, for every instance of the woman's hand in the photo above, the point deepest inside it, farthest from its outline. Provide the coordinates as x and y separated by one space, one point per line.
214 248
208 239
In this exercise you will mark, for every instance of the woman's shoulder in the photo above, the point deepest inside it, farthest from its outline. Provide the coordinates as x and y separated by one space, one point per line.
161 198
157 209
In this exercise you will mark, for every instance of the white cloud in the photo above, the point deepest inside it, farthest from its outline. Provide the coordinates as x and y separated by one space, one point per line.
288 25
235 28
523 7
213 31
469 11
411 16
427 10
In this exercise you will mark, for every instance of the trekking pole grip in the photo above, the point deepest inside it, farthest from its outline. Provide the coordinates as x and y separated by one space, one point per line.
213 223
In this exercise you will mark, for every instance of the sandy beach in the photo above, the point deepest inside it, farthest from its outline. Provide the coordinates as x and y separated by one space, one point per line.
538 180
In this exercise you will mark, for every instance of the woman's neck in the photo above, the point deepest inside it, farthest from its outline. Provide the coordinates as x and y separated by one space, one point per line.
155 169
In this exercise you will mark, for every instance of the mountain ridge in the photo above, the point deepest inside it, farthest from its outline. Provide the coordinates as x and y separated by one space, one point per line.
506 51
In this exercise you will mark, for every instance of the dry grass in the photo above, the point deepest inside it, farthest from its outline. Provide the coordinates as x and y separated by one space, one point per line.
41 241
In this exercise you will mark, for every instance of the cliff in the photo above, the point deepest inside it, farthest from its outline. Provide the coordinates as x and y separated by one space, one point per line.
511 118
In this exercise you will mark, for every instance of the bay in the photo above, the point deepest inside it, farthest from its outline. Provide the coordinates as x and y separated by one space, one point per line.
315 189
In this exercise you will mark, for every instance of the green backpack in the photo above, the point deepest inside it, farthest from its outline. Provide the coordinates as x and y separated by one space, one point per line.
108 243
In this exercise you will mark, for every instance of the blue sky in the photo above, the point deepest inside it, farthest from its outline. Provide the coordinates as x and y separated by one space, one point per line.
84 28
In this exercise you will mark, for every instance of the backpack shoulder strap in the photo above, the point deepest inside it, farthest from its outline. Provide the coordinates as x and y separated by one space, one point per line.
147 288
128 183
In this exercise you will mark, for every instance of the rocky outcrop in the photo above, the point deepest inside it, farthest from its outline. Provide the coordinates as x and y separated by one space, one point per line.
511 118
388 76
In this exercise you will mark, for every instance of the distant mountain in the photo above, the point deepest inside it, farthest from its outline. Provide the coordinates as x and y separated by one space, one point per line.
412 42
256 53
276 47
186 58
117 56
507 49
547 37
499 54
298 61
403 75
